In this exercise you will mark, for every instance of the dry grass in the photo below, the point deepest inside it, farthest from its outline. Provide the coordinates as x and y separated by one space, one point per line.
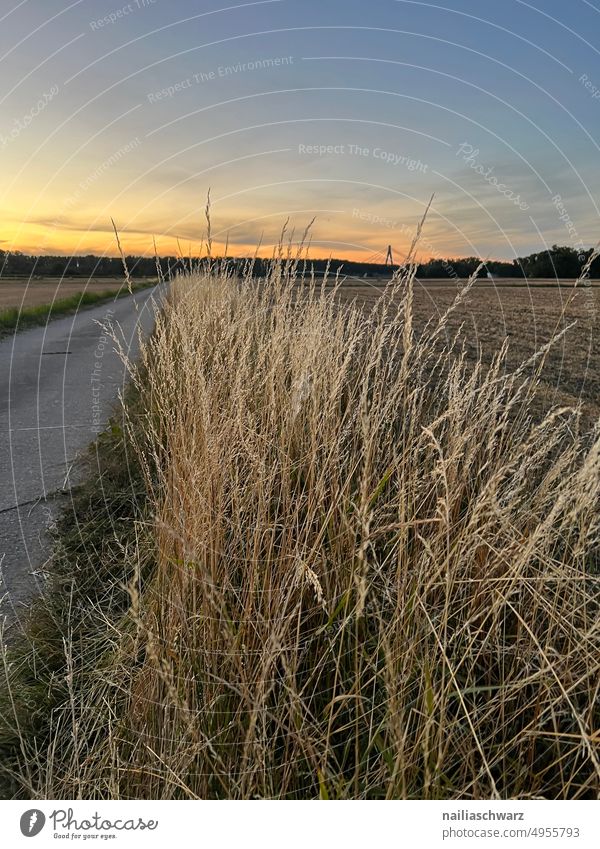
374 576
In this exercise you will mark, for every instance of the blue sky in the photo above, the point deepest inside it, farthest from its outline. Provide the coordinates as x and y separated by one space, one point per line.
353 112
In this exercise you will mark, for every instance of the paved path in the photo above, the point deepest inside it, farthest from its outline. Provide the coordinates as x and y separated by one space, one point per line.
58 385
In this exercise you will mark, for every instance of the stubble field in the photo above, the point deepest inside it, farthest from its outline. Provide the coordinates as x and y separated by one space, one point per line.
22 293
528 314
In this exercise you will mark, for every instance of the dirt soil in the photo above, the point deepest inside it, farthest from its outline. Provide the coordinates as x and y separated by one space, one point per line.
529 313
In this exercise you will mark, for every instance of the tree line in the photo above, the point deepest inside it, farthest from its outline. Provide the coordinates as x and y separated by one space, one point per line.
559 261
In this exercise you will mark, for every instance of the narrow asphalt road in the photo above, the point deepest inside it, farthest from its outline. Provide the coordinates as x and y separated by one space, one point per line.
58 386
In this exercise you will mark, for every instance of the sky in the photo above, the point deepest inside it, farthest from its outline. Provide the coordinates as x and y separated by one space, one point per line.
349 112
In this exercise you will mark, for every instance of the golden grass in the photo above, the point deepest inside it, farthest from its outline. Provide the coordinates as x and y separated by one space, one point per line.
375 576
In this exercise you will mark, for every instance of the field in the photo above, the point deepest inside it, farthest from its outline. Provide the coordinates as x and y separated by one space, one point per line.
24 304
325 554
528 315
16 292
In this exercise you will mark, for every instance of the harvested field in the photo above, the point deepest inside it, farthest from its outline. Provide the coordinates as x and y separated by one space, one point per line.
25 293
31 305
529 313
